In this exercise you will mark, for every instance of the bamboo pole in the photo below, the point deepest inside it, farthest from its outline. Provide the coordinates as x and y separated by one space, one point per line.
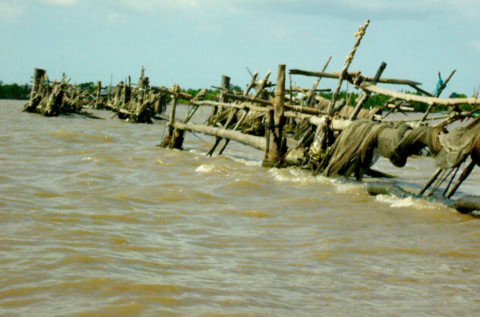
311 92
38 74
352 75
168 140
438 93
427 100
249 140
99 95
466 172
348 61
277 150
365 94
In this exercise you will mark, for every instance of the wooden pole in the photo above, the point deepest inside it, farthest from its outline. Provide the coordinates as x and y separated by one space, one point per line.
277 150
350 75
38 74
98 101
348 61
411 97
37 81
365 95
437 94
311 92
466 172
225 82
167 141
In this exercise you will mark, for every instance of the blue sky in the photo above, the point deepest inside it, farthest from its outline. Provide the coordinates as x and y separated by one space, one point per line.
194 42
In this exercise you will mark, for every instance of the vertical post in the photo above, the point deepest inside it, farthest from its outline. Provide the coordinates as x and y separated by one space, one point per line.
37 81
143 86
167 141
99 94
38 74
276 150
225 83
127 94
142 74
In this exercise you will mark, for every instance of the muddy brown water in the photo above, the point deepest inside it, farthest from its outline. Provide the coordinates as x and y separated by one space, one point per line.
95 219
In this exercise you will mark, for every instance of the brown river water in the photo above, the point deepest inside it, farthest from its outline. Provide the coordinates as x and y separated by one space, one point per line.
96 220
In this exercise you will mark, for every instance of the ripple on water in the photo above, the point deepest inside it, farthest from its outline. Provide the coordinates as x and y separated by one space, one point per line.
133 229
80 137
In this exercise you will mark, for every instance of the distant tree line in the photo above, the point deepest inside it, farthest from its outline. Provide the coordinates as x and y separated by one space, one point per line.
14 91
22 92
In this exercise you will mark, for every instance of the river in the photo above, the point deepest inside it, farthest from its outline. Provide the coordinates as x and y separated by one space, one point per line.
95 220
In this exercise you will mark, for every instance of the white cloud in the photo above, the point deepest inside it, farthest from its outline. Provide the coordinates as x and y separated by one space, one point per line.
475 44
378 9
11 9
116 18
64 3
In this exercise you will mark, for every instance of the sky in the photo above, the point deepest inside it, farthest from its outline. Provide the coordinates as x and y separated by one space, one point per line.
193 42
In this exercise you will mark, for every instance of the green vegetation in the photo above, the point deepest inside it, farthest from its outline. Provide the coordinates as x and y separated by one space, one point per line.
14 91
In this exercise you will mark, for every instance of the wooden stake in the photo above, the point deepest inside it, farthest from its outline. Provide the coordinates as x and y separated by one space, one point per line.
167 141
38 74
365 95
276 150
466 172
98 101
348 61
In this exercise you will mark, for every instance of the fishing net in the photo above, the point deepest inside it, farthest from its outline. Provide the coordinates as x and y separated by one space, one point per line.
353 151
457 145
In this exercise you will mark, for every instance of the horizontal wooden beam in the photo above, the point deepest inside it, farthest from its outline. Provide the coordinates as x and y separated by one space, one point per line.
411 97
256 142
241 106
336 75
249 98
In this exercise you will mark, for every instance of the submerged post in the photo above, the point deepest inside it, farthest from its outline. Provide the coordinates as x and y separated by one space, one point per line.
98 101
37 81
225 83
276 148
167 141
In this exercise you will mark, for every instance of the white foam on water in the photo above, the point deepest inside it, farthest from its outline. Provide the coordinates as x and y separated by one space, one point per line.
295 175
245 161
347 187
205 168
397 202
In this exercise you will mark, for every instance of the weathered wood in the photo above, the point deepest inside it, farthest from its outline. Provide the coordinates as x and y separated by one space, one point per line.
311 92
348 61
34 101
249 140
365 95
168 140
420 90
276 151
466 172
437 94
450 102
241 106
249 98
335 124
351 75
98 100
262 85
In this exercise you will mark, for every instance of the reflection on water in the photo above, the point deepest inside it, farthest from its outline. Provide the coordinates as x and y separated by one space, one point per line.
95 219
